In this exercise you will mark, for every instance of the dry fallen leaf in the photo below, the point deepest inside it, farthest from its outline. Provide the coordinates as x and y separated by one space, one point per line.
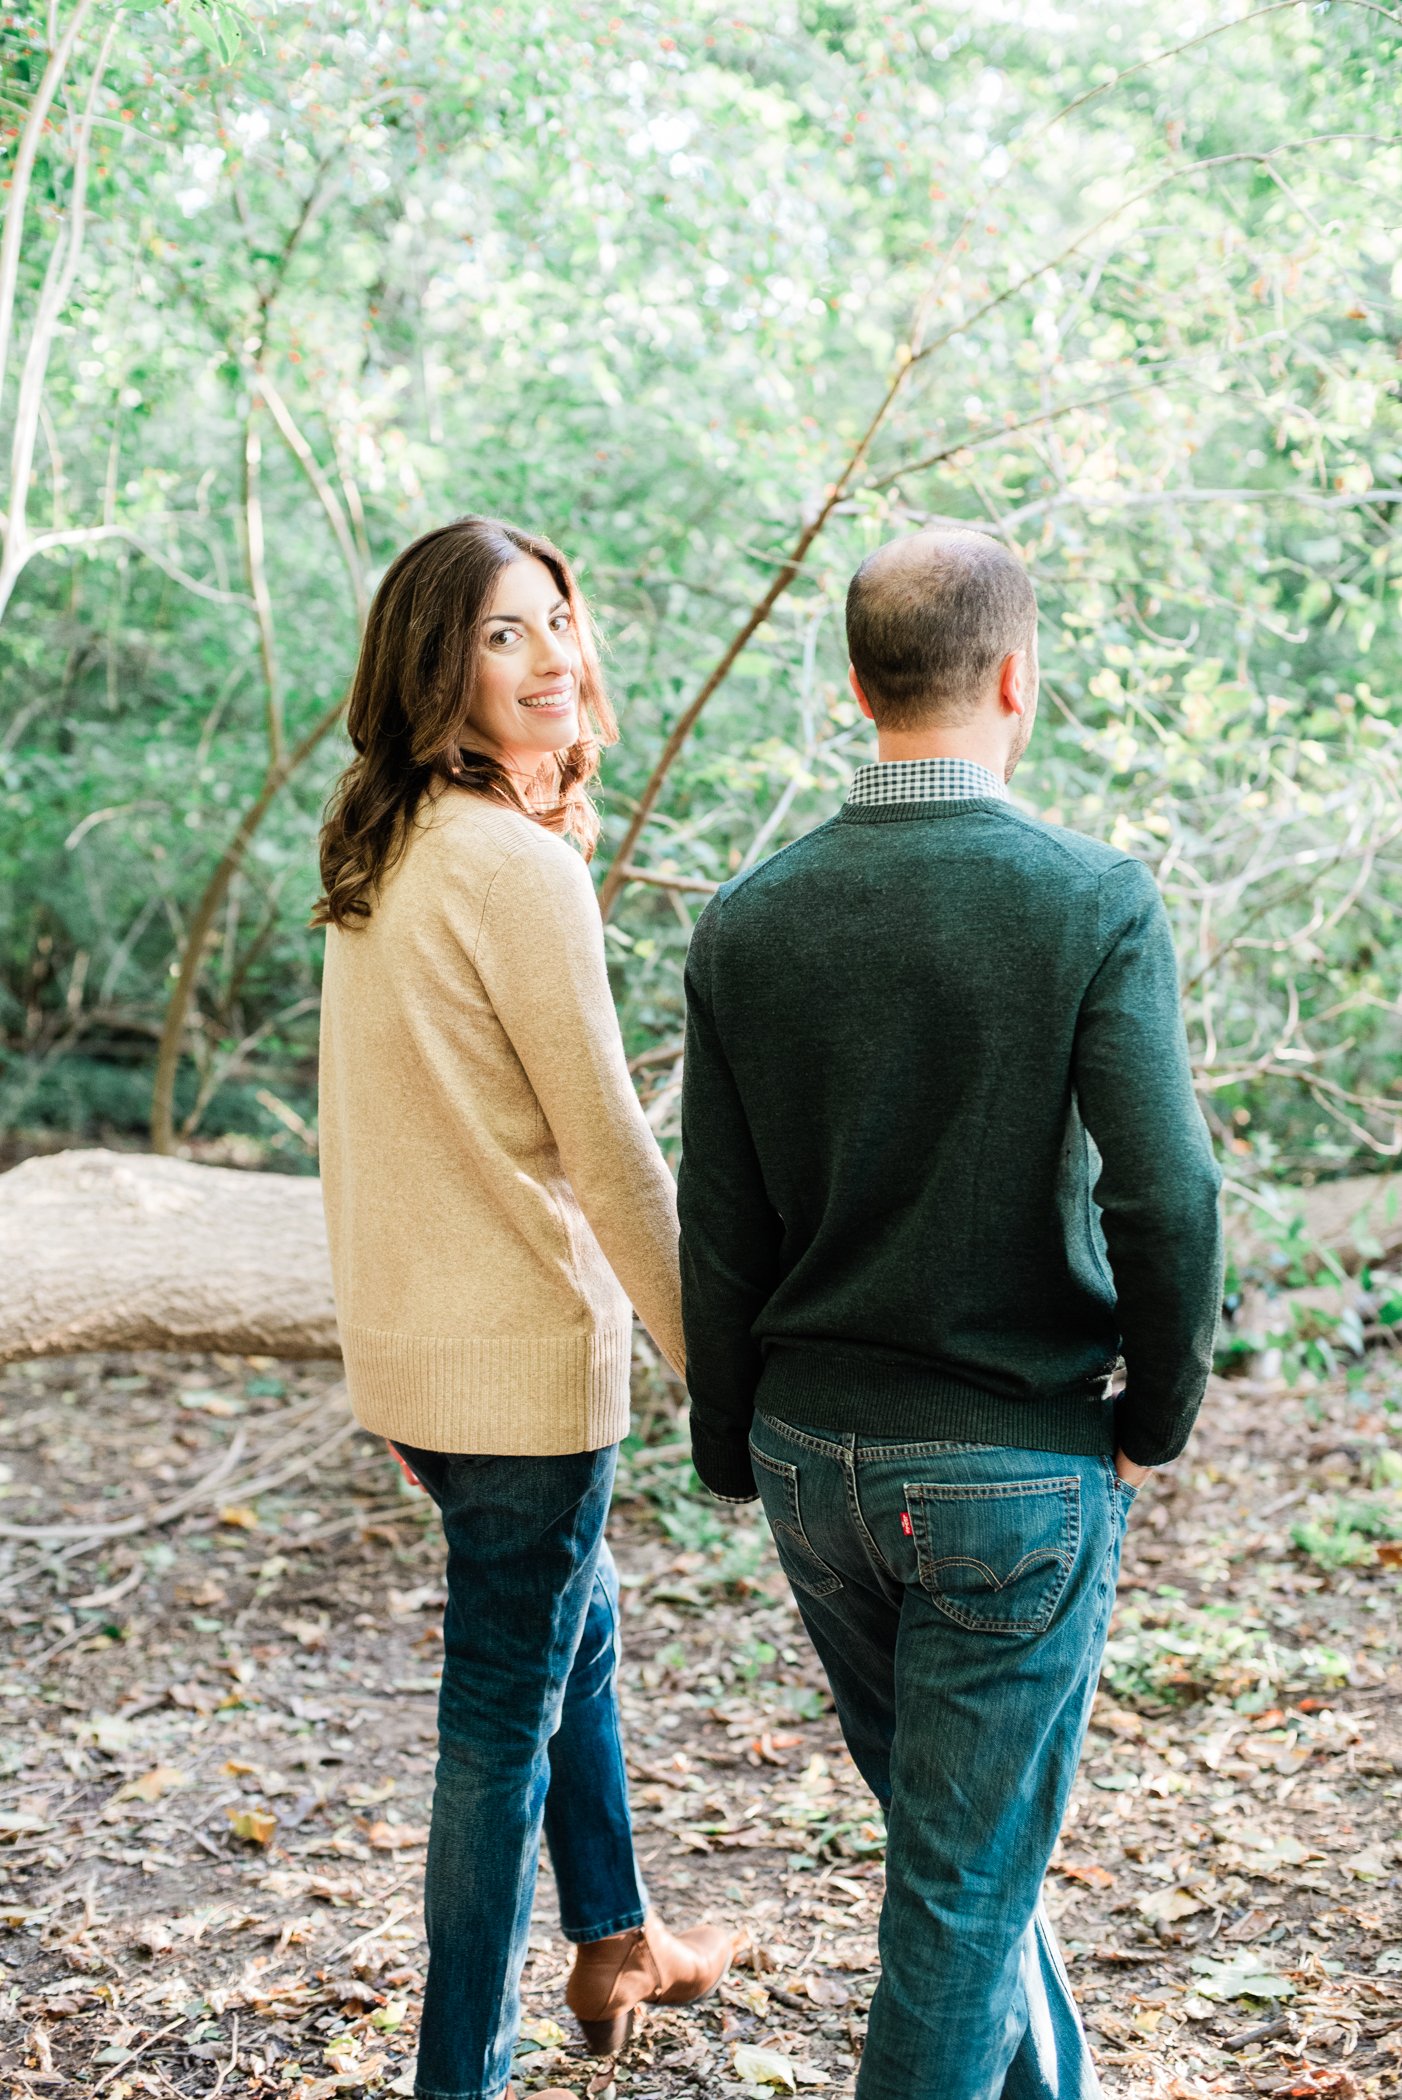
362 1796
393 1837
306 1632
254 1825
764 2067
195 1698
240 1516
403 1603
220 1405
1166 1906
20 1823
161 1779
1114 1720
1089 1874
1251 1927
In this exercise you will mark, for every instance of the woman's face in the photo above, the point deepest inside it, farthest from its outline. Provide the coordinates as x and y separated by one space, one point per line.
525 702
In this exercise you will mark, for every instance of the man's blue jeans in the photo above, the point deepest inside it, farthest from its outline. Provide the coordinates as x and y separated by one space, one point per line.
528 1734
958 1596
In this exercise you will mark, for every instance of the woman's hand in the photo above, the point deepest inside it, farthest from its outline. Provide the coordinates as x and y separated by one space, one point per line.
1132 1475
412 1478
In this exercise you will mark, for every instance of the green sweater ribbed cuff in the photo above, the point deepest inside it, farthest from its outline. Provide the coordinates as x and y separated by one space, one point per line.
723 1463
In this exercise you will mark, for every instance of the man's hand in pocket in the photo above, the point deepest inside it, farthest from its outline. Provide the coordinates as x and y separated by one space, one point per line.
1132 1475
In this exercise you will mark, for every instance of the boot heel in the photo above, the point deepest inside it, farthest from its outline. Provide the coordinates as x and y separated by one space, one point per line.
607 2037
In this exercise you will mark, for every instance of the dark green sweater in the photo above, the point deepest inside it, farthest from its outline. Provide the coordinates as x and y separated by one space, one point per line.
908 1037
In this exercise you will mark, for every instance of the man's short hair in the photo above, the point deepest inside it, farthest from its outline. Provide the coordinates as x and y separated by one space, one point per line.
929 619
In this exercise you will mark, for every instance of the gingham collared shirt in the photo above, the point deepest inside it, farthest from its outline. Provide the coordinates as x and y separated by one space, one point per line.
922 780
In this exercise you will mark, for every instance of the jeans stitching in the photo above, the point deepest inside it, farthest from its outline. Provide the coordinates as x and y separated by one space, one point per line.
926 1561
854 1510
585 1936
826 1447
793 1522
873 1454
993 1490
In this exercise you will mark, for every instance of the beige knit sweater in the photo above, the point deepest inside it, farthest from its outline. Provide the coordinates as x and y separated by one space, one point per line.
494 1196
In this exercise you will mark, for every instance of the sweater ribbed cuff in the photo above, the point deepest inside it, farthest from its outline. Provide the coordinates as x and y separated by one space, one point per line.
723 1463
1151 1442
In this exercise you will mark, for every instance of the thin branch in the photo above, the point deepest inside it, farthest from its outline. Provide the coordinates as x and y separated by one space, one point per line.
223 1068
693 883
206 911
1157 499
325 494
22 172
1155 58
255 552
908 358
93 535
64 258
125 1527
992 432
1259 156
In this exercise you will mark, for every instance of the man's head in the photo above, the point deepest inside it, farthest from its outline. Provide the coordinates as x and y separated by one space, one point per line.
942 633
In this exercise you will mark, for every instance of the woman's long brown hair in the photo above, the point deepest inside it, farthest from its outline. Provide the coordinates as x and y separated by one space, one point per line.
410 701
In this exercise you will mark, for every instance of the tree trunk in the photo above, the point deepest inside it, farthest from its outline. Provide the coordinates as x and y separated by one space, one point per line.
112 1250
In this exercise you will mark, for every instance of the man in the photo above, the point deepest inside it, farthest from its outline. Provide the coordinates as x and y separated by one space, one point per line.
942 1165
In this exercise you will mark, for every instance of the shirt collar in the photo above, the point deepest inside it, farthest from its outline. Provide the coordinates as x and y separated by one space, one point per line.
922 780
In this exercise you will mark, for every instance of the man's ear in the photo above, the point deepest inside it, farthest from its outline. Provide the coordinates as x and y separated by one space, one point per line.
862 701
1015 682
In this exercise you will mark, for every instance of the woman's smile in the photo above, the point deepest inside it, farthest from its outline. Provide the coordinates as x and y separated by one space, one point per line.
552 699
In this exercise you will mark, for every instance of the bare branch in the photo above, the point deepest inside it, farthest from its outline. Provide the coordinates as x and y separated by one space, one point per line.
907 361
254 557
325 494
21 175
62 267
94 535
206 911
693 883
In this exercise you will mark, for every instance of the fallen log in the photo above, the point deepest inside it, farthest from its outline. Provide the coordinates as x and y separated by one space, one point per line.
117 1250
128 1250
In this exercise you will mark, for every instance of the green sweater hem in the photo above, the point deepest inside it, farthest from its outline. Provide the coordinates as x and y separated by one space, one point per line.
867 1396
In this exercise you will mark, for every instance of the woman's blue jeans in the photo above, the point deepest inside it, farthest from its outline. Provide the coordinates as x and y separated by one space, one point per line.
958 1596
528 1736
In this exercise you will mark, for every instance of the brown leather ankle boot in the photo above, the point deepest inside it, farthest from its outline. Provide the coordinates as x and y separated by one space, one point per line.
647 1966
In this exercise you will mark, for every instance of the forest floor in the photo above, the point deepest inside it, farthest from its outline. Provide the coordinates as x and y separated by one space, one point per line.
219 1744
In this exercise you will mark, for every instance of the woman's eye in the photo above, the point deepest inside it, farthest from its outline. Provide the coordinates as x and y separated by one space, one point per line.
501 636
561 621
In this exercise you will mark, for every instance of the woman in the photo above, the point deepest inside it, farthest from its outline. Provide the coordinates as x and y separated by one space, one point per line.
494 1200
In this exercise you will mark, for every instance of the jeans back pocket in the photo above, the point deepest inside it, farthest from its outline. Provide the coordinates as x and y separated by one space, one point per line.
995 1556
778 1491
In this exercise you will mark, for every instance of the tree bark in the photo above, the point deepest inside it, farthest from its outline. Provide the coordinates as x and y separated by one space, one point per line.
112 1250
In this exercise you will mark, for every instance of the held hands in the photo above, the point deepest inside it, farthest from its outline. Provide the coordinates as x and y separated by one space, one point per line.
1132 1475
404 1467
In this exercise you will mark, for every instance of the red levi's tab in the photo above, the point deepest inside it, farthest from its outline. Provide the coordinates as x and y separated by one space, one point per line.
906 1526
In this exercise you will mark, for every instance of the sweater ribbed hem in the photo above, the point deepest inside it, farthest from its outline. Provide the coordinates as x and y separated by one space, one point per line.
867 1395
510 1396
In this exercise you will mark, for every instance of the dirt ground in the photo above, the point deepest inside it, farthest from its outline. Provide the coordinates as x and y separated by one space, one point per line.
219 1737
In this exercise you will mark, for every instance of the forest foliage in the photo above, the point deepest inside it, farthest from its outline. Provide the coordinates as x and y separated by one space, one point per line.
718 300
